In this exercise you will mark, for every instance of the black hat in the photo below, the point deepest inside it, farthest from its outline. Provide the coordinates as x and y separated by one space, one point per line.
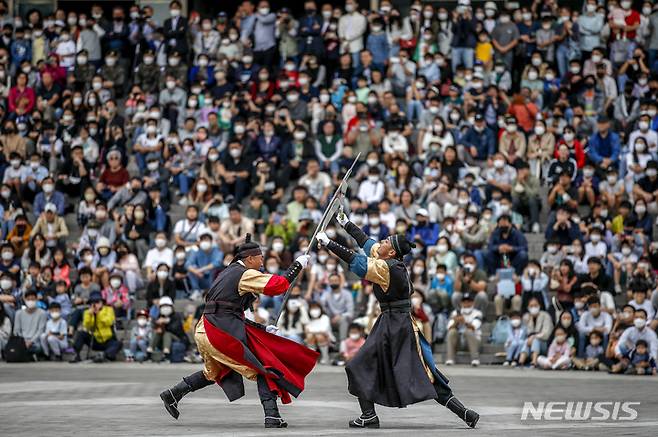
248 248
467 296
401 245
479 117
95 296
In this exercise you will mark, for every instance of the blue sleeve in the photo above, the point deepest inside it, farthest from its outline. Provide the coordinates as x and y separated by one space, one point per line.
359 265
216 257
367 247
494 241
491 143
520 242
592 150
615 148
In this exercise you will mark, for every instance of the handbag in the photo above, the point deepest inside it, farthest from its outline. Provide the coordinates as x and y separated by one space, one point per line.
16 351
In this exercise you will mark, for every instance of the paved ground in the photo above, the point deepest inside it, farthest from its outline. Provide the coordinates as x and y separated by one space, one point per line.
122 400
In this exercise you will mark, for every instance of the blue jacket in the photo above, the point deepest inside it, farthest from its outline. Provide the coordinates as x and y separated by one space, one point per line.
429 233
200 258
21 50
40 203
516 239
377 44
484 142
608 148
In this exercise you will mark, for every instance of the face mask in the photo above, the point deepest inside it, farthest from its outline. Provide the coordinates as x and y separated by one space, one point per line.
552 249
442 248
139 215
174 12
574 70
504 19
651 172
205 245
142 322
264 11
419 270
315 312
595 238
533 310
7 256
115 283
511 128
588 172
31 304
640 209
639 323
148 60
626 250
467 311
180 256
55 315
612 180
162 275
203 62
560 338
5 284
532 75
202 188
292 98
48 188
278 246
373 179
515 322
499 163
160 243
213 157
374 221
93 233
166 310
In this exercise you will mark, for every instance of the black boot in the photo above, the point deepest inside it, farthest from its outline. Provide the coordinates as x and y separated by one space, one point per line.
268 399
272 417
173 395
368 417
469 416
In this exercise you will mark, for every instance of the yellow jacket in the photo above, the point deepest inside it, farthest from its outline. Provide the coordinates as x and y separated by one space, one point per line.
100 325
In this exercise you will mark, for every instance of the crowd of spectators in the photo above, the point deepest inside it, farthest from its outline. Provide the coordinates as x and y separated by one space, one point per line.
136 154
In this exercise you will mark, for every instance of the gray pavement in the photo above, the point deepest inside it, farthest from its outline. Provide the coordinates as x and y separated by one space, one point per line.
60 399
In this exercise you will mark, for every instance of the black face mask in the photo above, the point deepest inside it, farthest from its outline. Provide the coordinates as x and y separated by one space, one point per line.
504 229
335 286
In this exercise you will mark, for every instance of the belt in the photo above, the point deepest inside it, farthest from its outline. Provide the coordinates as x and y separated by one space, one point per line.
396 306
222 306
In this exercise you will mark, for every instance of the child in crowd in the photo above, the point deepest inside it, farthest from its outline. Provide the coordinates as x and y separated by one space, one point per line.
559 353
641 362
54 340
516 338
593 353
318 331
140 338
62 298
351 345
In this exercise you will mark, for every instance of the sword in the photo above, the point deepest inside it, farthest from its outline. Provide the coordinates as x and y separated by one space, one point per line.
328 214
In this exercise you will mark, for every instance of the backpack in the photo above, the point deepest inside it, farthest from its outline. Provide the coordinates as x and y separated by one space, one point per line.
15 351
500 331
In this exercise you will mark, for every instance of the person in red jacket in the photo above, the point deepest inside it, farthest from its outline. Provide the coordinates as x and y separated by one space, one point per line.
576 150
21 97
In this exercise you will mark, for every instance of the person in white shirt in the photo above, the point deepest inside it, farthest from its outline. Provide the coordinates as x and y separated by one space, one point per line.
593 320
351 28
318 331
317 183
188 230
639 331
464 322
595 247
160 254
372 189
640 301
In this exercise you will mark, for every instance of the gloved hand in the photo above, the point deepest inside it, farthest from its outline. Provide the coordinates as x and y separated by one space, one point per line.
303 260
272 329
322 238
341 217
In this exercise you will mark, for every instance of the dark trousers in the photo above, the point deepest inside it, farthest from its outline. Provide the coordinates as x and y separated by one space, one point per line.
494 261
528 205
111 347
265 58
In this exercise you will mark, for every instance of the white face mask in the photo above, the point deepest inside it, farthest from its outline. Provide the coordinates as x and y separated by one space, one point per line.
315 312
278 246
142 322
5 284
48 188
533 310
31 304
355 336
499 163
639 323
418 270
166 310
55 315
180 256
162 275
205 245
115 283
442 248
515 322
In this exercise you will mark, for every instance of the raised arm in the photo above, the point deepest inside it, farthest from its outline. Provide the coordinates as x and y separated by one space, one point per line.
253 281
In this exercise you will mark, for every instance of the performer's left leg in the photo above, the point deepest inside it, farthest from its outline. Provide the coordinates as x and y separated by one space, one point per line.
172 396
368 418
448 400
268 399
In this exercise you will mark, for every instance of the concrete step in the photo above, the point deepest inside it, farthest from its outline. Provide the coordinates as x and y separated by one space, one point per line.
485 348
463 357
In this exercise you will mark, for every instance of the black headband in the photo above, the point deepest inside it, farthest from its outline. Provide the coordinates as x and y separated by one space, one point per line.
395 242
249 252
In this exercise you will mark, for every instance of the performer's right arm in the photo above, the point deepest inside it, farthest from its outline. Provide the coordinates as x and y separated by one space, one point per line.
254 281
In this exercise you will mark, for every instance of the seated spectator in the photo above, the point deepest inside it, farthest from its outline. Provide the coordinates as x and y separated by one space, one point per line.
464 328
600 281
115 295
472 280
629 338
516 338
593 320
54 339
440 290
52 226
507 247
97 331
161 285
594 354
140 338
639 288
318 331
167 328
339 306
30 323
202 264
540 328
351 345
294 319
559 353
